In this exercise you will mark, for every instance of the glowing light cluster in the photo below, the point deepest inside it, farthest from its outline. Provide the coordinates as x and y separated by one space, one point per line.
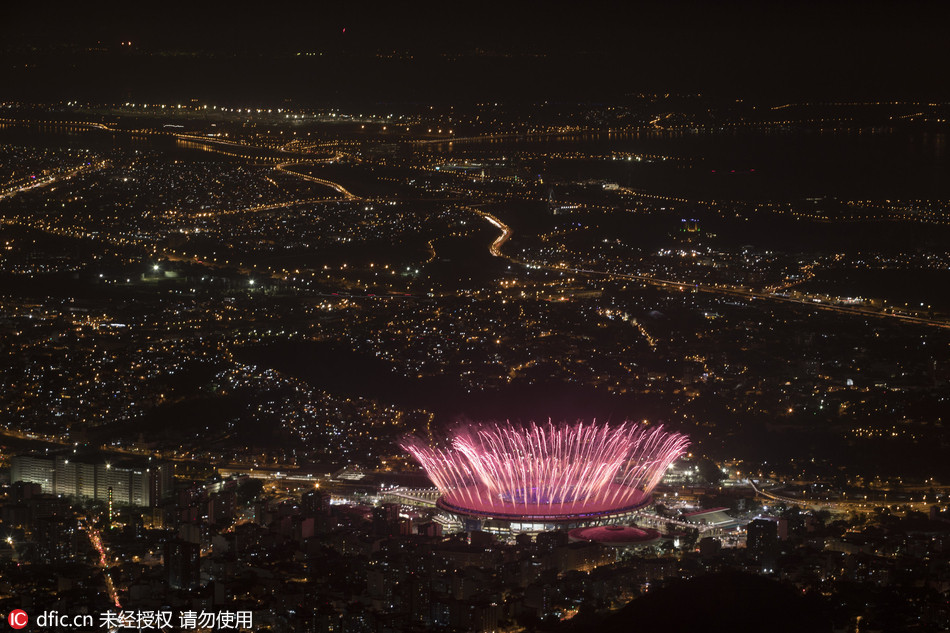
547 470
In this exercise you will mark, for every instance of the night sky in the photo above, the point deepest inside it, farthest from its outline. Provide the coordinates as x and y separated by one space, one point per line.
528 51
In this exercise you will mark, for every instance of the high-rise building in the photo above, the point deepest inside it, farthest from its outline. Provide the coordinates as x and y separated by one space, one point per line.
182 560
222 506
161 482
57 538
30 469
762 535
315 502
91 477
386 518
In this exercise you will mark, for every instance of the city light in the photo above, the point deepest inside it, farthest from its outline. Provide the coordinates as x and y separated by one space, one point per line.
260 271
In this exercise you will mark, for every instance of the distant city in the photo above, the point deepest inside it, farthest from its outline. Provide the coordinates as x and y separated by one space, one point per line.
448 364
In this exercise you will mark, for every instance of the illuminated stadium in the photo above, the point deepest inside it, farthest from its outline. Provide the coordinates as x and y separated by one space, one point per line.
541 476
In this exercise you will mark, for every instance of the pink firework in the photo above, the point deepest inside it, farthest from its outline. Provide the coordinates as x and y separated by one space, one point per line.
552 471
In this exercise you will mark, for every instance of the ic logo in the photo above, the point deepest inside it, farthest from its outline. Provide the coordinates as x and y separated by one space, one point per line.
18 618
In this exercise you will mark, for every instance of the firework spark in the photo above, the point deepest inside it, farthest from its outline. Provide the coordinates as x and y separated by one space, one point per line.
548 470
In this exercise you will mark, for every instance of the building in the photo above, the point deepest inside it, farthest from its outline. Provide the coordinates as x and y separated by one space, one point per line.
764 534
616 536
315 502
182 560
29 469
716 518
540 477
91 477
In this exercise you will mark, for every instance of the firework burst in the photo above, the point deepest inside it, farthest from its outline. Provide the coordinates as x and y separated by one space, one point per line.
547 470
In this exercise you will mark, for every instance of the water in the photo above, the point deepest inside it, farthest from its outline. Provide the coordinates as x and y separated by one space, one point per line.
740 164
103 142
916 288
776 164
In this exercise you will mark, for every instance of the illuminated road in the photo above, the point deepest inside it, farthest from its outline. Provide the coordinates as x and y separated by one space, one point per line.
69 124
96 540
862 505
506 232
259 208
808 273
751 295
684 286
53 179
333 185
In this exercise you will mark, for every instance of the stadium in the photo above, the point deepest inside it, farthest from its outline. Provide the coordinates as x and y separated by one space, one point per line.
536 477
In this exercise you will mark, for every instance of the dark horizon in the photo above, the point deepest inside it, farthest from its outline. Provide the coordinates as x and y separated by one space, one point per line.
521 53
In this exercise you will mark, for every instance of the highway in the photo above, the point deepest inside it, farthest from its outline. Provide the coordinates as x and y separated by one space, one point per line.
862 505
257 209
751 295
333 185
55 178
683 286
506 232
